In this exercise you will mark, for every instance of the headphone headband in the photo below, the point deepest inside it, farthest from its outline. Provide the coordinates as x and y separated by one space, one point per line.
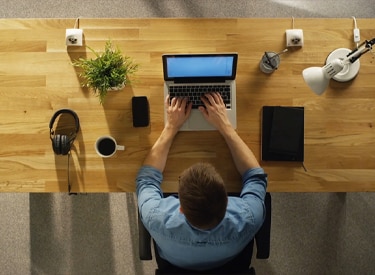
66 111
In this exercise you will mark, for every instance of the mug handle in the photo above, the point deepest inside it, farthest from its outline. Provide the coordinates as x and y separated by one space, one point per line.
120 147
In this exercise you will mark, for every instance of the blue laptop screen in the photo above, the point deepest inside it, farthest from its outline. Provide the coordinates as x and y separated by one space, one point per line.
201 66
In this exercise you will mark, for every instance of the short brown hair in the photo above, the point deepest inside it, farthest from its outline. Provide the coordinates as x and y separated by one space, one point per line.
203 196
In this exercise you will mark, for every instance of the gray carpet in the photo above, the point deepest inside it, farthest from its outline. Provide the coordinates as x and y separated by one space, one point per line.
187 8
96 233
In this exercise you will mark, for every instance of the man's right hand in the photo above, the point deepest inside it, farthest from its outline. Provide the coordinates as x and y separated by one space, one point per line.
214 111
178 111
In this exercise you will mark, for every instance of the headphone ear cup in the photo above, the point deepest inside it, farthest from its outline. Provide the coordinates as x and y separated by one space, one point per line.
65 144
61 144
56 144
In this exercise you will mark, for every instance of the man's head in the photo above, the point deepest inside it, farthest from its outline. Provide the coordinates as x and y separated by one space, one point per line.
203 197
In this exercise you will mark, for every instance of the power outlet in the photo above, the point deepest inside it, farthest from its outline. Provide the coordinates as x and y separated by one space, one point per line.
74 37
294 38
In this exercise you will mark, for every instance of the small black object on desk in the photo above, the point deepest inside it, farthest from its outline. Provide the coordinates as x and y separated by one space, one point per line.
140 111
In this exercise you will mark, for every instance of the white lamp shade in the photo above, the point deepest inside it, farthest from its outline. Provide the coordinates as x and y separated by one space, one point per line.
316 79
338 67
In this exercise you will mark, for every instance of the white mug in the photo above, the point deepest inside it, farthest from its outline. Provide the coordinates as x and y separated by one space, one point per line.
106 146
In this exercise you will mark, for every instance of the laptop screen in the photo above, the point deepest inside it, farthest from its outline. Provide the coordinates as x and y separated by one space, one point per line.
200 67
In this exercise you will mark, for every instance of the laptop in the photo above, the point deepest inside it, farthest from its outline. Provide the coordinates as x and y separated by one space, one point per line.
193 75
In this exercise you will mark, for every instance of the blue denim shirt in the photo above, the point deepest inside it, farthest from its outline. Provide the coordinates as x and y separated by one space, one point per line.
188 247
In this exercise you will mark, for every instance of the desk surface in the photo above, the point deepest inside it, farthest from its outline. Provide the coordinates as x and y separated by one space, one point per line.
37 79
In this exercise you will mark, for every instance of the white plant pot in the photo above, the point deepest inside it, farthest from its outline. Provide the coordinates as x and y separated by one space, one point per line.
118 88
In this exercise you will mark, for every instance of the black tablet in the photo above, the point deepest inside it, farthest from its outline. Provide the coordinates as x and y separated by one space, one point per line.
282 133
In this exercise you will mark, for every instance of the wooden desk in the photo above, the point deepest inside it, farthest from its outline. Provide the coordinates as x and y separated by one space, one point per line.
37 79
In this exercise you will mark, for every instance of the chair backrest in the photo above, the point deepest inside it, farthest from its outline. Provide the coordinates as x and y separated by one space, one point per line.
251 271
144 241
262 238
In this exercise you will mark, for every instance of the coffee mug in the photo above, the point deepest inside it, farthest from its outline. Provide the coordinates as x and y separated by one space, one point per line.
106 146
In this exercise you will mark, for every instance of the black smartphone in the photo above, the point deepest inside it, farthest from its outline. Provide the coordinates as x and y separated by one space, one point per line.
140 111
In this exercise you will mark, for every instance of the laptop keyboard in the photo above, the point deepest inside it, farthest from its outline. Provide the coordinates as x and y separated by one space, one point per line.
194 93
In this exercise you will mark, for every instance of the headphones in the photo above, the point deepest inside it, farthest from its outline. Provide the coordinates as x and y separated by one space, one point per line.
61 144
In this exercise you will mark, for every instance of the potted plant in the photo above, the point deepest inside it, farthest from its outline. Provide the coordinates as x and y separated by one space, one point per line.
108 71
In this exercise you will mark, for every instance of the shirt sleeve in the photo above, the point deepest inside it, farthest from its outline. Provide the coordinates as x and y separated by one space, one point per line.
254 191
148 189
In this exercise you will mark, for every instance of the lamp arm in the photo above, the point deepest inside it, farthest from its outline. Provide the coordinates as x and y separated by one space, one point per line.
364 47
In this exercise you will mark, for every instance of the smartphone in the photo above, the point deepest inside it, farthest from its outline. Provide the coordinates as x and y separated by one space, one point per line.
140 111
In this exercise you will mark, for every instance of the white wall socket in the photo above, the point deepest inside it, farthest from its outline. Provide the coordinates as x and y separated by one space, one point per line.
74 37
294 38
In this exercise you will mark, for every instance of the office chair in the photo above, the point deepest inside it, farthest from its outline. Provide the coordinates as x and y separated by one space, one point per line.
261 241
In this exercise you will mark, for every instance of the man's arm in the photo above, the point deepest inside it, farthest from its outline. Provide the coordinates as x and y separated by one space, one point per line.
254 180
215 113
178 112
243 157
157 157
148 179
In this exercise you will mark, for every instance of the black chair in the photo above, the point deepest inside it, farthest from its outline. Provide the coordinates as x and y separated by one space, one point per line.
261 241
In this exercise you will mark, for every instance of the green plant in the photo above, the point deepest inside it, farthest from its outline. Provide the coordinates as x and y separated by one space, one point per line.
107 71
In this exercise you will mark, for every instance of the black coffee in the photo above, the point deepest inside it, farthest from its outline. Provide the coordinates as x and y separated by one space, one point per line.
106 146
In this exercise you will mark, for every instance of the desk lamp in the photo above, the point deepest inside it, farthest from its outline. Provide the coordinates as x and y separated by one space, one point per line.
342 65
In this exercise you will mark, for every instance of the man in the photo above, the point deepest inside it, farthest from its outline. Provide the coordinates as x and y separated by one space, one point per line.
203 229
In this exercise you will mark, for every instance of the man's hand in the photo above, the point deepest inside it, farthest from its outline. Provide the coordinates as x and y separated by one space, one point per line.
178 111
215 111
216 114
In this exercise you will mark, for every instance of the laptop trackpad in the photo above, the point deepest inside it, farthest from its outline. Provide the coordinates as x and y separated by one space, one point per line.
197 122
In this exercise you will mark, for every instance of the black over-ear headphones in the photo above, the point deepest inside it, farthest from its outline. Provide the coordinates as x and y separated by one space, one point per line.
61 144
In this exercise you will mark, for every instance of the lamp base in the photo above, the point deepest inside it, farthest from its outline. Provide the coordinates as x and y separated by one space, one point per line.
349 71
